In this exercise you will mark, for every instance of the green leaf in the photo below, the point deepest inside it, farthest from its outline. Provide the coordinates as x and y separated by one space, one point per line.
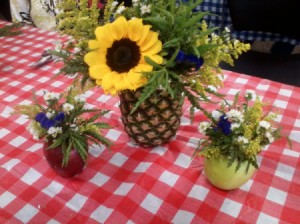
152 63
10 30
236 99
66 154
56 142
99 138
190 23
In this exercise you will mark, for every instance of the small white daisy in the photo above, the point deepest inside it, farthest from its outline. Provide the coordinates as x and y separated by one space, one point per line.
270 137
51 96
264 124
145 9
243 140
54 131
203 126
120 9
67 107
80 98
216 114
235 114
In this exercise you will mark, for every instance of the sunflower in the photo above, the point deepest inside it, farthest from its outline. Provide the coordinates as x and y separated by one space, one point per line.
117 59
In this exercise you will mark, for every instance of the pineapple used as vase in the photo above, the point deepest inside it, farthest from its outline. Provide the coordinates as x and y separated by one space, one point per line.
155 121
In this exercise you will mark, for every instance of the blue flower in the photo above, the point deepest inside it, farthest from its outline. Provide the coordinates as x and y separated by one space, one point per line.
40 117
44 121
189 59
180 57
224 125
47 123
59 118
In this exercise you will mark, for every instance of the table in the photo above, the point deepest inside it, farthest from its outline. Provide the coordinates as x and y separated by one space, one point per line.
130 184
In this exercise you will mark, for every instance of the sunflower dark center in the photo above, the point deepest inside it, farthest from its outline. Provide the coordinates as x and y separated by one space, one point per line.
123 55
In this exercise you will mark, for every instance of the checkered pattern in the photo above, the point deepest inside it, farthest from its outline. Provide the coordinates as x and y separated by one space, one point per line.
130 184
221 18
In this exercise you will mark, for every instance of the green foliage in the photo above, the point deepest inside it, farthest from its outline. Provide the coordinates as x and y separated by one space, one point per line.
78 19
181 29
65 122
238 131
10 30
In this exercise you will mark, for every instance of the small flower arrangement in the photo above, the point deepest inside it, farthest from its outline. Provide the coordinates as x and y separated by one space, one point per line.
154 44
238 131
64 120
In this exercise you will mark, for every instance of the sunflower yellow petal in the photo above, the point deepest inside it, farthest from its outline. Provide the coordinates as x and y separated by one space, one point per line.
122 83
143 67
136 80
150 40
118 29
94 44
146 30
103 36
155 48
108 81
92 58
98 71
156 58
135 29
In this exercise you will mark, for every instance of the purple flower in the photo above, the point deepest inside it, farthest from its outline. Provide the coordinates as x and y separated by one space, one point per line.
224 125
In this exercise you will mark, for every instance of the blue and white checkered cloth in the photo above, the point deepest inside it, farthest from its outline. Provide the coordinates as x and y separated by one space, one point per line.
221 18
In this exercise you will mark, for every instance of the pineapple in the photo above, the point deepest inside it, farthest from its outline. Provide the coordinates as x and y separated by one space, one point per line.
155 121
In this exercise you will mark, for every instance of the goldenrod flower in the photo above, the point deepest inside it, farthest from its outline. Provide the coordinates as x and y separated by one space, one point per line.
118 57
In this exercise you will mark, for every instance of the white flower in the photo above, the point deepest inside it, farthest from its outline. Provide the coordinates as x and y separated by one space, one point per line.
216 114
243 140
135 3
227 30
145 9
114 4
54 131
235 114
203 127
76 50
74 127
235 126
49 115
264 124
120 9
51 96
33 131
270 137
80 98
250 94
236 42
67 107
212 88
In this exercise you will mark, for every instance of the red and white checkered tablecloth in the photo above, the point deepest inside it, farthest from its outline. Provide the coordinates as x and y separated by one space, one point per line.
130 184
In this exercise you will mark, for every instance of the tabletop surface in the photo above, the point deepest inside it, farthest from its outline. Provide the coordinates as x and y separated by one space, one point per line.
130 184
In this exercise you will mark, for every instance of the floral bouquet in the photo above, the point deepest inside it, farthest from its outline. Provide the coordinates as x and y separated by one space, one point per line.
67 126
238 131
152 54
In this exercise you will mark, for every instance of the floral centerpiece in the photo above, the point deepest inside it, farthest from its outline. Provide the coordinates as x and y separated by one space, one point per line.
235 134
152 54
67 126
